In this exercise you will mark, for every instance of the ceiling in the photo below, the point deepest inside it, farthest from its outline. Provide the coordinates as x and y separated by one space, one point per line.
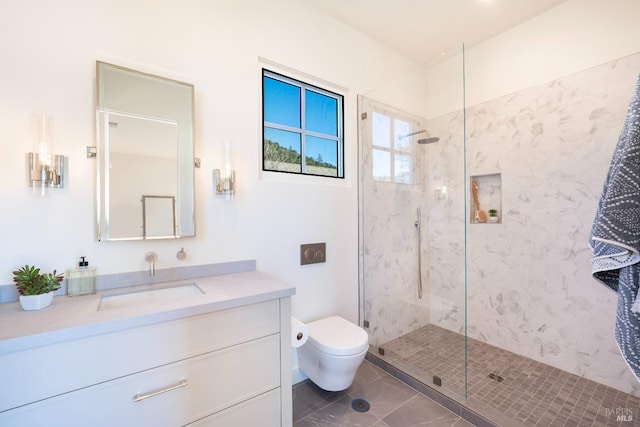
424 30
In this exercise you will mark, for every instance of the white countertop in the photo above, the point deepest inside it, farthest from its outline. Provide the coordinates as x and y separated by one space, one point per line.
70 318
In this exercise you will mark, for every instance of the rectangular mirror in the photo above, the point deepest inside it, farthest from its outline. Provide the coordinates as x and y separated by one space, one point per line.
145 156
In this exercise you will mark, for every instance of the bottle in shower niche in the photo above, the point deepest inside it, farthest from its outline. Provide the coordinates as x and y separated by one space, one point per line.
81 280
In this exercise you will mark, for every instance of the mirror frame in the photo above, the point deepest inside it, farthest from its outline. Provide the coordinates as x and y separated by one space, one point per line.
185 198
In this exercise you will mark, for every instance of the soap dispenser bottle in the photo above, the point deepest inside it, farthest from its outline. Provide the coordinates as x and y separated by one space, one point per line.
81 280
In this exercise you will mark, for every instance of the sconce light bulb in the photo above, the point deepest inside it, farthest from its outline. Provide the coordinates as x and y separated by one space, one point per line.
45 141
224 182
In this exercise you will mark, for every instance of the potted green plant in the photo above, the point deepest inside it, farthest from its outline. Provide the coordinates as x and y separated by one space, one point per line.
493 215
36 289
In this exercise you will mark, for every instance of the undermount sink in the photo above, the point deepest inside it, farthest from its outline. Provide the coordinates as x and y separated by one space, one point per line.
148 296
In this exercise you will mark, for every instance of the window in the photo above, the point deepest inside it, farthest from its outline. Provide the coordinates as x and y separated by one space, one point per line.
302 127
392 152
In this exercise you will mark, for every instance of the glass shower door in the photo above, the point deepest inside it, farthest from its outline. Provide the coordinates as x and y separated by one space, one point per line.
412 240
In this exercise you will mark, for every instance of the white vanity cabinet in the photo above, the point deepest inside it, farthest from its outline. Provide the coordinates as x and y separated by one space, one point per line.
224 368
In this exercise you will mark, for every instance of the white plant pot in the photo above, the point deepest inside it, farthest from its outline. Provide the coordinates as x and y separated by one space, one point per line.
36 302
494 219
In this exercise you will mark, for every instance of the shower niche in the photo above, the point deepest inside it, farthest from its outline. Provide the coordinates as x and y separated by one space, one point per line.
485 199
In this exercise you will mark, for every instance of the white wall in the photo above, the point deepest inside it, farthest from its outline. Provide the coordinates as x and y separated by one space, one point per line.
48 53
574 36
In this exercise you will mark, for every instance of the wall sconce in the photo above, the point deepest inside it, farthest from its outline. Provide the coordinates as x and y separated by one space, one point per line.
46 170
225 179
225 182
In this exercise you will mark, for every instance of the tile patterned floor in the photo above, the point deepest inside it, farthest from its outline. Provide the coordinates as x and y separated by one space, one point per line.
392 404
520 390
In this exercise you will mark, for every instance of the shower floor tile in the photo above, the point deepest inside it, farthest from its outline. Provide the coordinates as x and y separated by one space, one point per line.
528 392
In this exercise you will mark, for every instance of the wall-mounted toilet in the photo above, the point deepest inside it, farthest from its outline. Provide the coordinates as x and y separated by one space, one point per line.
333 352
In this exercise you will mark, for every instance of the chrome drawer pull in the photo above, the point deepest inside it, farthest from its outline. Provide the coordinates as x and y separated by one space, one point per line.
139 397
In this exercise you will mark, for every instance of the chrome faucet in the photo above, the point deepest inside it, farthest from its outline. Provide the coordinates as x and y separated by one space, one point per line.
151 258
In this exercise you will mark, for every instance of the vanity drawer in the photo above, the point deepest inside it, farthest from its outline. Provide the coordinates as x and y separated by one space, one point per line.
213 382
263 411
81 363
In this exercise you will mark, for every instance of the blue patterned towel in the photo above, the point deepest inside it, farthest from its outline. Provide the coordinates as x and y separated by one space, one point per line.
615 235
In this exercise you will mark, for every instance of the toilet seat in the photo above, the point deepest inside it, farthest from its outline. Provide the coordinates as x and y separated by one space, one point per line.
337 336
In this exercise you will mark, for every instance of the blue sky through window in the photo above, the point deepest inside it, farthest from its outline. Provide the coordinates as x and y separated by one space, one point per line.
321 113
322 150
302 119
281 103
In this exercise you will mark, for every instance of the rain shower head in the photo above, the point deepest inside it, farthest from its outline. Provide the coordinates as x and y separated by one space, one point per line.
427 140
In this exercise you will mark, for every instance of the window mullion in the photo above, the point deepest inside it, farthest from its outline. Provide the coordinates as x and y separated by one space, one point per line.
392 150
283 127
303 135
321 135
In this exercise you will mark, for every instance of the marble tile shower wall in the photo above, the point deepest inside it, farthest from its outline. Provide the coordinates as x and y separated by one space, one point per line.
389 246
445 240
530 289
